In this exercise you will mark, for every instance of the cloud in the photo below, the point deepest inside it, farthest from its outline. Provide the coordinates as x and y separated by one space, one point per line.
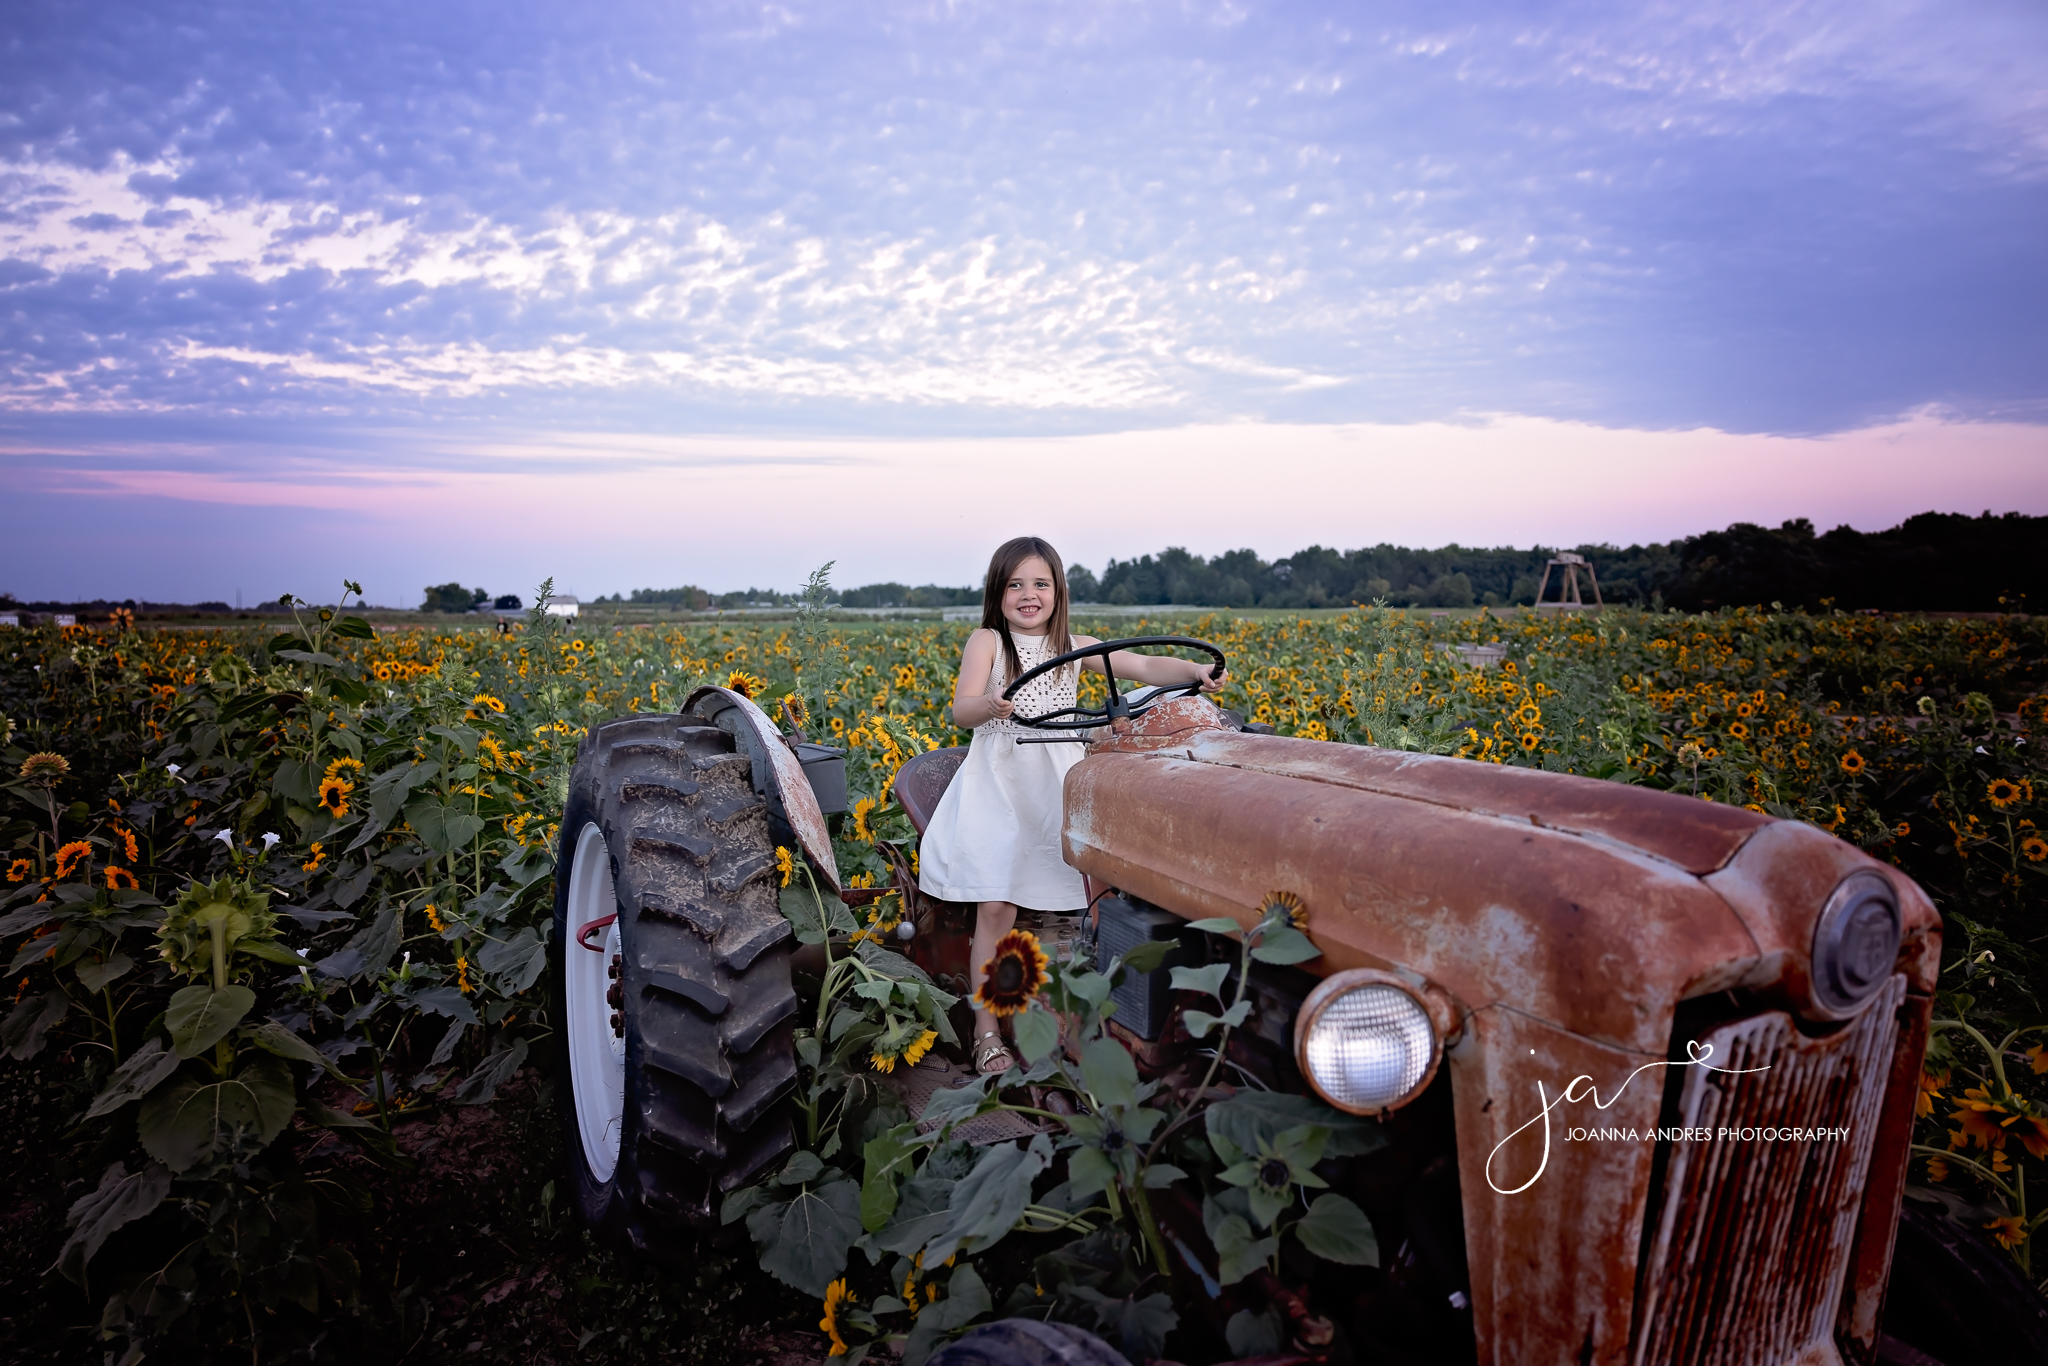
880 217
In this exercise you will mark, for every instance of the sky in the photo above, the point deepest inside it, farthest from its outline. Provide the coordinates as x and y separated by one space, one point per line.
649 294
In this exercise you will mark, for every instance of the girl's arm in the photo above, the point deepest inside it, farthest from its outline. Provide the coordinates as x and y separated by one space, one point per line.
1158 670
973 704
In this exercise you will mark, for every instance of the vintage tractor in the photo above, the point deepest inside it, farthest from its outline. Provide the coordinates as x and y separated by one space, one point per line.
1648 1064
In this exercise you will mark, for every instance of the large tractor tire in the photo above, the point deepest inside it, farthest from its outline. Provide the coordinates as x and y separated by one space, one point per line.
678 1013
1955 1298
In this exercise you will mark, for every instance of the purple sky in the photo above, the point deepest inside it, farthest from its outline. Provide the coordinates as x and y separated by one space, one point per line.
712 293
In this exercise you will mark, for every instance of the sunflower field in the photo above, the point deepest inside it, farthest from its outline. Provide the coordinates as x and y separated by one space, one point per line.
276 902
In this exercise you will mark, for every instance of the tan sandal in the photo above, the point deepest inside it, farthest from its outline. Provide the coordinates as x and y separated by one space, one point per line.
987 1048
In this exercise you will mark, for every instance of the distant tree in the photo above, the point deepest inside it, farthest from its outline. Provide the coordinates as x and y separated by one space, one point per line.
453 597
508 602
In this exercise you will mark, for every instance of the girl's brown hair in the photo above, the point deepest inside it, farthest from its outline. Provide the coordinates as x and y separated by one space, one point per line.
1002 567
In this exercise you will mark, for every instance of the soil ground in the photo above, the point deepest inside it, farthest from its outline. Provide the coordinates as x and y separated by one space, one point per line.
471 1255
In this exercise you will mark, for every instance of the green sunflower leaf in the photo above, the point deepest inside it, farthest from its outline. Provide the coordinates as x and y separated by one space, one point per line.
1337 1231
1283 944
201 1016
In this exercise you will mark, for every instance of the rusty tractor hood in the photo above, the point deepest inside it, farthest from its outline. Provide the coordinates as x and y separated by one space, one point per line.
1592 906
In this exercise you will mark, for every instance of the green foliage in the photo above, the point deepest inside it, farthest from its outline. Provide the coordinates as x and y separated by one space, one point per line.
915 1197
218 978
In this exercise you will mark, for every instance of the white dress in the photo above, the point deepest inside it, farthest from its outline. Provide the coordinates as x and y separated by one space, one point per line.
996 834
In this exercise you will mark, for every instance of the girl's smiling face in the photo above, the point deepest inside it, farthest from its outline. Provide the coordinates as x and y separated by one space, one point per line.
1029 597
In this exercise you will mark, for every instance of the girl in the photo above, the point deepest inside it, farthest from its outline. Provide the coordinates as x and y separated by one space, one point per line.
995 839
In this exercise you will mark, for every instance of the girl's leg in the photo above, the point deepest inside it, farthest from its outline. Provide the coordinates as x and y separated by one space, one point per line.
992 920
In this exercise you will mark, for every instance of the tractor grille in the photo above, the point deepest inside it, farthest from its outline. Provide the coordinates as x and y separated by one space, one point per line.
1752 1239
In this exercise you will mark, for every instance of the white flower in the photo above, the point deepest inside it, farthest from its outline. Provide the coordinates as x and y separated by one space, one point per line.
171 769
226 837
269 839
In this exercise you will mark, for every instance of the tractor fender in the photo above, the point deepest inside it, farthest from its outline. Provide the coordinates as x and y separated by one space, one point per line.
780 778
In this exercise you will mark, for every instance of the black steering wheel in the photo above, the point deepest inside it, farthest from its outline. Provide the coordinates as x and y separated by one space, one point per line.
1087 718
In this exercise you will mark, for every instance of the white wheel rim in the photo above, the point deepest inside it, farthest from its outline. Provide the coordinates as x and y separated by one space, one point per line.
597 1056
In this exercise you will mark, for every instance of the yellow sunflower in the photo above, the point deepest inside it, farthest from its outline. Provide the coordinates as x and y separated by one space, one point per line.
1852 763
836 1297
2003 792
862 809
19 870
343 767
1013 976
319 857
2035 848
920 1046
334 796
69 855
785 864
744 683
1275 907
115 876
482 705
45 770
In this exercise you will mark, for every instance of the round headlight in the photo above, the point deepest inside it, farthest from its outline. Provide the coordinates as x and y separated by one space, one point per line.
1856 943
1365 1042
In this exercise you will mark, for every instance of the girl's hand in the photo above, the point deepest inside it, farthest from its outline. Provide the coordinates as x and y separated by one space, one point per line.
999 707
1211 684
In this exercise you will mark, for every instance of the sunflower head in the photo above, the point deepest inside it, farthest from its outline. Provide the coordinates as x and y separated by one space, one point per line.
1852 763
334 796
1690 754
70 854
2035 848
2010 1231
215 918
837 1296
744 683
794 708
785 864
19 870
1277 908
862 810
45 770
2003 792
1013 976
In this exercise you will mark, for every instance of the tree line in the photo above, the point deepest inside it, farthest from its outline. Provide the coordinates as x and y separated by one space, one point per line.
1931 562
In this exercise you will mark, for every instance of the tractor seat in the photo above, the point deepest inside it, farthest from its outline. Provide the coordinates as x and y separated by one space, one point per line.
921 782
